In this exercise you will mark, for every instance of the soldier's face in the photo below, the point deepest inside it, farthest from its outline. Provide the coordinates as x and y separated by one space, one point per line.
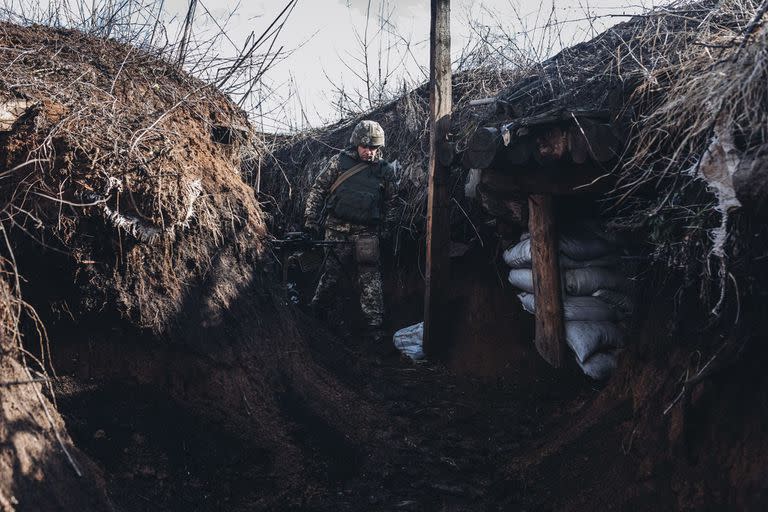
367 153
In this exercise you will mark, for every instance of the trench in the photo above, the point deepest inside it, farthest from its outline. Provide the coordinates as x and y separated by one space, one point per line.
335 428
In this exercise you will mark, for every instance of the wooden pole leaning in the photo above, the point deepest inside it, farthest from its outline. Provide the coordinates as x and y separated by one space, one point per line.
550 326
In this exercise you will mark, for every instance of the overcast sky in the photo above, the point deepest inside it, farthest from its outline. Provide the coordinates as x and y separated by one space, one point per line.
323 31
323 38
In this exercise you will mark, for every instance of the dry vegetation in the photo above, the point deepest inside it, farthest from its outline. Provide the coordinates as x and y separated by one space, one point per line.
121 181
685 84
122 204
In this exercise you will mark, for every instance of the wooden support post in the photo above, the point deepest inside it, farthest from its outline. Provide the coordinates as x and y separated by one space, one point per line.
438 227
550 328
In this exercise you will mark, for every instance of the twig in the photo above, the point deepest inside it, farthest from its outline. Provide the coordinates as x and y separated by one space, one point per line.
56 433
470 221
70 203
22 382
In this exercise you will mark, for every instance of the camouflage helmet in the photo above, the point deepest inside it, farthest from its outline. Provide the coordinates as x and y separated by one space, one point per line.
367 133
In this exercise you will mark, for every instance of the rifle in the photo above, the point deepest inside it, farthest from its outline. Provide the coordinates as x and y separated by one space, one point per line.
297 246
298 240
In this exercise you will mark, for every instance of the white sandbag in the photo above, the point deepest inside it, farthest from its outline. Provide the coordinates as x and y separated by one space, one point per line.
604 283
609 260
521 278
580 243
618 300
587 338
586 281
528 302
410 340
600 366
588 308
519 255
576 308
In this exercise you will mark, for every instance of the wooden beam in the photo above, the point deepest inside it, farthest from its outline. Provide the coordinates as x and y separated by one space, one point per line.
519 150
438 227
550 327
482 148
551 146
602 141
563 179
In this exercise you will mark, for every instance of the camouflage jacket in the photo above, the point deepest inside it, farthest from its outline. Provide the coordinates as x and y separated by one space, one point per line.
318 195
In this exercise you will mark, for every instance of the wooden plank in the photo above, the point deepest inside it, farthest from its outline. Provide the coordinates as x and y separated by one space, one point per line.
438 227
551 146
519 150
550 328
482 148
558 180
577 145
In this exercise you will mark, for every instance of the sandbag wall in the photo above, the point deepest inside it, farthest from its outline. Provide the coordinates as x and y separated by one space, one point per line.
597 297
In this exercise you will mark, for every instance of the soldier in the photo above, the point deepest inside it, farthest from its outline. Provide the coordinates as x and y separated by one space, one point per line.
355 194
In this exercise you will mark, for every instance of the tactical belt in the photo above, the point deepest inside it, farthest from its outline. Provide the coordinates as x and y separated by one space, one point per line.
348 174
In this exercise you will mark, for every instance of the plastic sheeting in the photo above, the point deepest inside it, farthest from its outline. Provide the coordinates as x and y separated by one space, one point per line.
410 341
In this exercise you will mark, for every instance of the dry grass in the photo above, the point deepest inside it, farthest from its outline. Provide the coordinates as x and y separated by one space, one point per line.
716 75
121 139
702 82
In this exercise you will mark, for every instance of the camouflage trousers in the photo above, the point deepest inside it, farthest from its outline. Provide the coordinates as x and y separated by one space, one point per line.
340 261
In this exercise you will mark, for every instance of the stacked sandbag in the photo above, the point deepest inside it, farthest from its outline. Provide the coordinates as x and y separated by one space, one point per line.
596 294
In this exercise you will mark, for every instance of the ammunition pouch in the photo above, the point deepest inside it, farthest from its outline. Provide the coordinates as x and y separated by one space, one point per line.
367 250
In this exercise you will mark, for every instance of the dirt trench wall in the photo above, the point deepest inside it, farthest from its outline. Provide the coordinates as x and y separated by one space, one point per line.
681 425
35 471
115 162
142 250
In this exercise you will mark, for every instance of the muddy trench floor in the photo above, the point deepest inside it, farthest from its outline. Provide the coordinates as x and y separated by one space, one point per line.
447 445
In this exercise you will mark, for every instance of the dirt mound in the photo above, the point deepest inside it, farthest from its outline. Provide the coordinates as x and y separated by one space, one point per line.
140 247
114 162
